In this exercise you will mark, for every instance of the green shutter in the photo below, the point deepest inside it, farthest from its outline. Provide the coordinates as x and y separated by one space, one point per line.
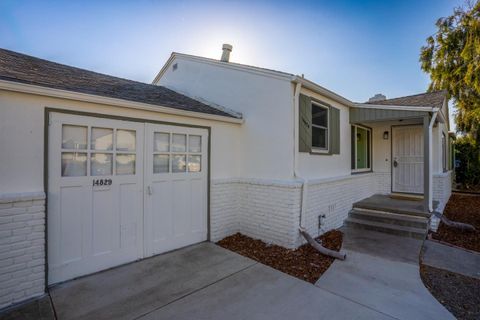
305 124
334 131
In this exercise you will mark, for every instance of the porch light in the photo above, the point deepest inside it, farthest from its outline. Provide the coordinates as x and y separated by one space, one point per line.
385 135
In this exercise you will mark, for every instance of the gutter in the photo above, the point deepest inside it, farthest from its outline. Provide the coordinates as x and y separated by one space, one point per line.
78 96
396 107
296 116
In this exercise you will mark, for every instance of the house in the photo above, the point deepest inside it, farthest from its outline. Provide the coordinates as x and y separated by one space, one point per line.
97 171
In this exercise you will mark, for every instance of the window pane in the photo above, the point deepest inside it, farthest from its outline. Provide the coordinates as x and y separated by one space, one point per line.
179 163
74 164
194 143
319 138
179 142
125 164
74 137
362 146
160 163
101 164
194 163
161 142
126 140
102 139
319 116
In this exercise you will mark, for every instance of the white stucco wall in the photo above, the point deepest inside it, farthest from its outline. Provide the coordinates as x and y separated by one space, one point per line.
265 140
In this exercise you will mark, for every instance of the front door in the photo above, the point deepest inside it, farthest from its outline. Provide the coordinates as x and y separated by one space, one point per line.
407 159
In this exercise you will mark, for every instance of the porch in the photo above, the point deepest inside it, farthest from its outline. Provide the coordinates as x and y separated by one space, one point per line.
389 213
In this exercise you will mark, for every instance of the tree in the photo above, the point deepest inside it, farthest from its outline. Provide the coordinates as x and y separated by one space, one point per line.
452 58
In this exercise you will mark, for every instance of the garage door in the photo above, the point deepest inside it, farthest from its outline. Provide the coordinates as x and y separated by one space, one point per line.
119 191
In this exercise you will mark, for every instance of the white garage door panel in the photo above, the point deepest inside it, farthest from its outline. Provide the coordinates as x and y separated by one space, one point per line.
92 227
105 210
174 217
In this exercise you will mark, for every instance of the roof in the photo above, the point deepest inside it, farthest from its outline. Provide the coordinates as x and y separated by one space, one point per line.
26 69
264 71
429 99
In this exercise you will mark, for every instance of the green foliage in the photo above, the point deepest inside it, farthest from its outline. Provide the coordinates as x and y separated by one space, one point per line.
467 154
452 58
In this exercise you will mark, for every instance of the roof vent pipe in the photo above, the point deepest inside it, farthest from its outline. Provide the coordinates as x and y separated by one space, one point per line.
227 48
377 97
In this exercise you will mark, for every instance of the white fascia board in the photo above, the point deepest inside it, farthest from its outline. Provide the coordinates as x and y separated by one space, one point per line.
323 91
394 107
64 94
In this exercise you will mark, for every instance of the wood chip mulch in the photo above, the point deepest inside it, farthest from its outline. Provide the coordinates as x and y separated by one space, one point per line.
459 294
461 208
305 262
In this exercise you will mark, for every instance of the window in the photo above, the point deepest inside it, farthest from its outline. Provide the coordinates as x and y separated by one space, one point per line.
177 153
319 127
361 149
101 154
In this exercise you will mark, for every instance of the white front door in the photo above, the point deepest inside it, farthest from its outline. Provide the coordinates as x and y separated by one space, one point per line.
119 191
407 159
95 196
176 184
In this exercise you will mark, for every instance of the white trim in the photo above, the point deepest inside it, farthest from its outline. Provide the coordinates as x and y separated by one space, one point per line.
64 94
316 149
322 91
370 153
396 107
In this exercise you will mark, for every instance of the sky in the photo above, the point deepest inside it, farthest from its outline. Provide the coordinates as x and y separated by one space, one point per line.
354 48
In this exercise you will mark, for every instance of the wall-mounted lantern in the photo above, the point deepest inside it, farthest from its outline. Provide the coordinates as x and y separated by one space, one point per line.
385 135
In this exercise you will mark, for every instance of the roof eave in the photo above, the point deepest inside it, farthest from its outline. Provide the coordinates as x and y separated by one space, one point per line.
321 90
396 107
78 96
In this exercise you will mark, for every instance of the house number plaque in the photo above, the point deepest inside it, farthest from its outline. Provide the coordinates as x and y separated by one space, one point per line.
102 182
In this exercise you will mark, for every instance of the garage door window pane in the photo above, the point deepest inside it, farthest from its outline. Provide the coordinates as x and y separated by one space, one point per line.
125 164
74 164
101 164
74 137
161 142
179 142
194 163
126 140
194 143
161 163
179 163
102 139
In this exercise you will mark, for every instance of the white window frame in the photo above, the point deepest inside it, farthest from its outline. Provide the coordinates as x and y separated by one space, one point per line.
444 153
319 149
369 168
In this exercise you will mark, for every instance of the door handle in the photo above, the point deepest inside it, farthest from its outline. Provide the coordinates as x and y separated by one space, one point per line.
395 163
149 190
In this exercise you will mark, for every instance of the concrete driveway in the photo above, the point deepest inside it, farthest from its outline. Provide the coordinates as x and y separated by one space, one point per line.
200 282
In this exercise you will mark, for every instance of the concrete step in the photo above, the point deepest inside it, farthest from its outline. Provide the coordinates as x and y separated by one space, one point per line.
388 209
412 232
390 218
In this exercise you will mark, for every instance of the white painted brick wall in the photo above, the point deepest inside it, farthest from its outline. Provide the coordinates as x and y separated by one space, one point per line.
22 247
270 210
442 190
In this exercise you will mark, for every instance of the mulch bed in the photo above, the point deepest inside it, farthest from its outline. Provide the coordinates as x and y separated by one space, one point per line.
305 262
459 294
461 208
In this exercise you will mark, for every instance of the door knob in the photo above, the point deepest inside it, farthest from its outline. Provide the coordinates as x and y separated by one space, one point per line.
395 163
149 190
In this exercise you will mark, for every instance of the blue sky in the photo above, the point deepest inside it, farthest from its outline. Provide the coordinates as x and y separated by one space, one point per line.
355 48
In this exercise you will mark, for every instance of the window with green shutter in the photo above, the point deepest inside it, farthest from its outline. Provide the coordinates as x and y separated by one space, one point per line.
319 127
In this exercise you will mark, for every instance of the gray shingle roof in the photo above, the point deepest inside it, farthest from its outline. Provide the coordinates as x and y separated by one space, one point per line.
26 69
428 99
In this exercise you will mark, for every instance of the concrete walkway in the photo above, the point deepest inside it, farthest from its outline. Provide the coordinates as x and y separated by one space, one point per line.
200 282
381 272
458 260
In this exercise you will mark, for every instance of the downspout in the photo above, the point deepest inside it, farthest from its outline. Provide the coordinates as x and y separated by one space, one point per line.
296 115
430 160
